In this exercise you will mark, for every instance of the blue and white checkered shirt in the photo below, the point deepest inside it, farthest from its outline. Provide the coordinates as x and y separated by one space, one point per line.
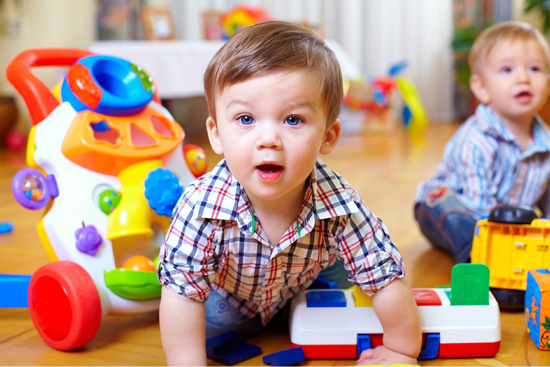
484 163
210 244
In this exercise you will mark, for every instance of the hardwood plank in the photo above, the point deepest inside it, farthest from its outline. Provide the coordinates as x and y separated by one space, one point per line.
384 168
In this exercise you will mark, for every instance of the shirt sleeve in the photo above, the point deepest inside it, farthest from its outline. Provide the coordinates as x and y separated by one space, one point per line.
368 252
186 260
471 162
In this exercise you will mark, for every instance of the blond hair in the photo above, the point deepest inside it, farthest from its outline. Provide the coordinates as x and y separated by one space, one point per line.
511 31
275 46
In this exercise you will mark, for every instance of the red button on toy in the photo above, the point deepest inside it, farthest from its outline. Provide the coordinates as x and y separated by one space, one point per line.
426 297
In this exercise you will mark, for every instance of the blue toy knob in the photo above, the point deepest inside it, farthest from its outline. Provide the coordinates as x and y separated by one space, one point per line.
162 190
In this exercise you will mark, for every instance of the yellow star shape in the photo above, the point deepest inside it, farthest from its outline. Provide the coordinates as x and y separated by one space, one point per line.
533 313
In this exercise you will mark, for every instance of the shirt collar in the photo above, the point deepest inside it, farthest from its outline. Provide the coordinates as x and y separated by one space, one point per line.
490 123
219 194
541 137
331 193
223 198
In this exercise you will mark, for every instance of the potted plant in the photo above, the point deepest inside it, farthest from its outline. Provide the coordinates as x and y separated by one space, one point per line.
462 41
543 7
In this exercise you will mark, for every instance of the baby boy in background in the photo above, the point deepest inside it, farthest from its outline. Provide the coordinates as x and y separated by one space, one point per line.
501 154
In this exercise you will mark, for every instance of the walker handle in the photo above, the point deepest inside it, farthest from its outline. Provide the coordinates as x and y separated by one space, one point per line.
39 99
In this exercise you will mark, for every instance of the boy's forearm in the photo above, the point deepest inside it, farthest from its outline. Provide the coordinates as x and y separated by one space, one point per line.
397 311
182 329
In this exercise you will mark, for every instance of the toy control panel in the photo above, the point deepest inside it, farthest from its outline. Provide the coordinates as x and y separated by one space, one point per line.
458 321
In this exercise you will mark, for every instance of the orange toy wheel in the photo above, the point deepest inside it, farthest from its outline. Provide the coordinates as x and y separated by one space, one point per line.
64 304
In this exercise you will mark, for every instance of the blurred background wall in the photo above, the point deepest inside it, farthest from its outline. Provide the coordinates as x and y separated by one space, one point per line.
375 34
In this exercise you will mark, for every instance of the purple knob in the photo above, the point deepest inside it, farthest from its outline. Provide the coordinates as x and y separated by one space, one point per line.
88 240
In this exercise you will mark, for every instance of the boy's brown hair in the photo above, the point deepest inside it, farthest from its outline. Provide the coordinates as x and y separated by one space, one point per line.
274 46
512 30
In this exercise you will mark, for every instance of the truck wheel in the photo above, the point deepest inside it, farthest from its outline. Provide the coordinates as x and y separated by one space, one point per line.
64 304
512 214
510 300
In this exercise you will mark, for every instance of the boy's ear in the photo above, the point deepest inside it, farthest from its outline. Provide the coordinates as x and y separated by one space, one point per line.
214 135
332 135
477 87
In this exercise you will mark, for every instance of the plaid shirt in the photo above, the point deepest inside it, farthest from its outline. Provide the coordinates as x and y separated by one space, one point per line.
210 244
484 163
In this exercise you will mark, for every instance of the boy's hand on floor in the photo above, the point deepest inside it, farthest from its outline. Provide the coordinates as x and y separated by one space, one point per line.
382 355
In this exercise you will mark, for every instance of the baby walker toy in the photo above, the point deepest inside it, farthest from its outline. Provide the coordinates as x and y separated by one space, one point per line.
107 165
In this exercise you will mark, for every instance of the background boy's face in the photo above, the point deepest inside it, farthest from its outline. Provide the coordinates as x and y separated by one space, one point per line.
514 79
271 129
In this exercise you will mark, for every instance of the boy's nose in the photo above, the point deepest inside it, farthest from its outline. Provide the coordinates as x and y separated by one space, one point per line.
522 75
269 136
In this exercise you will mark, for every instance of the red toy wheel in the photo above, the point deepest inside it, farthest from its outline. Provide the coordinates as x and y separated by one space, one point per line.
64 305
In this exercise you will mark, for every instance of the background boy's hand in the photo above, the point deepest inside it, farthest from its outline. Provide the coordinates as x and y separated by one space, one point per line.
382 355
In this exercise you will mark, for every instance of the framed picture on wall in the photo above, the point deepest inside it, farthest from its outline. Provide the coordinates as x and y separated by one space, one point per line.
158 23
212 24
119 20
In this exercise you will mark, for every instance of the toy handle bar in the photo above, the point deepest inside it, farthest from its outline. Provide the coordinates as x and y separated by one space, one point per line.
37 96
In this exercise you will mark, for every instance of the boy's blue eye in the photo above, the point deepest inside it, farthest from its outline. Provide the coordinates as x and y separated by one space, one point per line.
534 68
246 120
293 120
506 69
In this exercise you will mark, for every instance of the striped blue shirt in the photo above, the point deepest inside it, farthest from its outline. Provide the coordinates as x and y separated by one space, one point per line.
212 243
484 163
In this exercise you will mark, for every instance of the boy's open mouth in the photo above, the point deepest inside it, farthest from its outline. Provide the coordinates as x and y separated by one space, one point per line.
269 168
269 172
523 96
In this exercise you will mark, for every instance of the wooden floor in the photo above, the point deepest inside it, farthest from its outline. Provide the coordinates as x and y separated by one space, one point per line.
385 169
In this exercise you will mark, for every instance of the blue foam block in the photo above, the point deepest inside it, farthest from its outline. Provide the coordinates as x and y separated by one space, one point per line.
13 290
6 227
326 299
230 348
323 283
285 357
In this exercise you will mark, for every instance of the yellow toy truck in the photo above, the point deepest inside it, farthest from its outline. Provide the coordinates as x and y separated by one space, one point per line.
511 242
